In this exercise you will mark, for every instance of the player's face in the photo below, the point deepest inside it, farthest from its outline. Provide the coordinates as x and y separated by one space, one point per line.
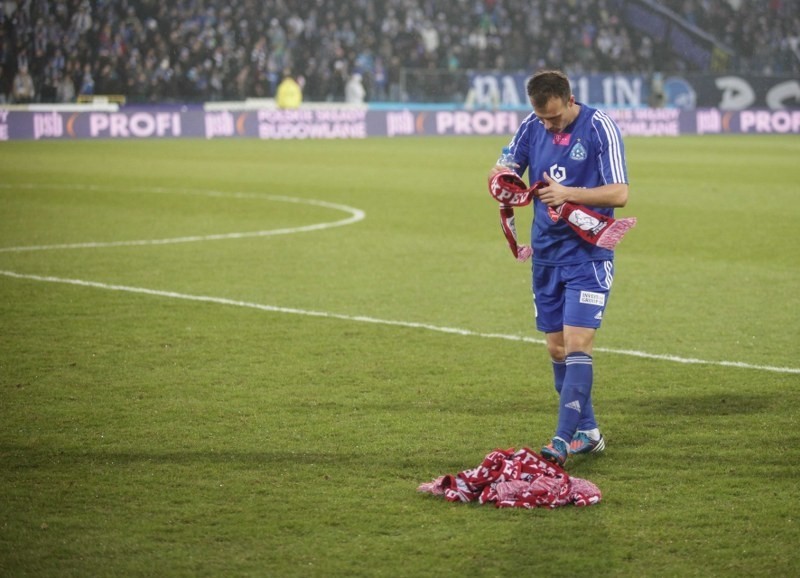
557 115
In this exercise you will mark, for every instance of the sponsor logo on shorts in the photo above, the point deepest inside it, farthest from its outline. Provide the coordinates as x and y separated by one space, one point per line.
591 298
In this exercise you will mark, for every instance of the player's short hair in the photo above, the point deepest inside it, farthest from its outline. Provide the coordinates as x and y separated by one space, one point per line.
548 84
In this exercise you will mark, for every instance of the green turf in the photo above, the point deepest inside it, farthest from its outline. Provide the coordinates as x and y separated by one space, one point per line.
152 434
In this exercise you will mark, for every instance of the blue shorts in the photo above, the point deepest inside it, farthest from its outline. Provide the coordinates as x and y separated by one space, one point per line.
571 294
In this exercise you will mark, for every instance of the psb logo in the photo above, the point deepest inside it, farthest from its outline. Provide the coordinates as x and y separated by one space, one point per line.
558 174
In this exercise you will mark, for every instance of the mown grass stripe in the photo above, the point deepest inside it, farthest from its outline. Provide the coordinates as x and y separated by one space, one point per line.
377 321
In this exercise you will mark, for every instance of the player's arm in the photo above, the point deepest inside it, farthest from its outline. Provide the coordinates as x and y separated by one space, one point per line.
611 195
519 148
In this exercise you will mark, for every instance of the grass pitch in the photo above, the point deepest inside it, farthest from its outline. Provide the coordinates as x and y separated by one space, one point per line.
206 371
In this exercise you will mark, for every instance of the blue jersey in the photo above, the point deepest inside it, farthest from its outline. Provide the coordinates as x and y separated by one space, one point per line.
589 153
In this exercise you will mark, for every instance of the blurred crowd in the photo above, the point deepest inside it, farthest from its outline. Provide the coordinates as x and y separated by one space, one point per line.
764 34
210 50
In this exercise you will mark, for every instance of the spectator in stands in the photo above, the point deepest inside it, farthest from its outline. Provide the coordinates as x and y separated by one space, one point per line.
337 81
22 89
4 85
65 89
354 92
81 21
289 94
47 86
87 81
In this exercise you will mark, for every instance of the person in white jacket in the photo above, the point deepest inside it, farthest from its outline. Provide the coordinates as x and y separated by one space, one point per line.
354 91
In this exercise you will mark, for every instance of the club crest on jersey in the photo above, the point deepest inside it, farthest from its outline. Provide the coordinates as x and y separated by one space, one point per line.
578 152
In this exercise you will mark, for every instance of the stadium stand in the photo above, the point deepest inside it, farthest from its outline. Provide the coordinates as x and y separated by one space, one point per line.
209 50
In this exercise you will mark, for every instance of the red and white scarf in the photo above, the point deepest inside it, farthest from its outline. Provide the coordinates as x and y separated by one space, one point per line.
515 479
510 191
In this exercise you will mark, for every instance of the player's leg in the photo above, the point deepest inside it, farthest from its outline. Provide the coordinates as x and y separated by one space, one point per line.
580 426
558 449
555 347
586 298
577 386
548 309
581 340
549 291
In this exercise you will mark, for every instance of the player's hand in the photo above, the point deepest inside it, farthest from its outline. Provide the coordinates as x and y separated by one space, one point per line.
496 169
554 194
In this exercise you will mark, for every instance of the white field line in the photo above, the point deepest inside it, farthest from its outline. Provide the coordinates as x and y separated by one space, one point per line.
356 215
374 320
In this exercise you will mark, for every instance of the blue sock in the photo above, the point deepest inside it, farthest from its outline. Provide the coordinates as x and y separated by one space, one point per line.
575 394
588 420
559 370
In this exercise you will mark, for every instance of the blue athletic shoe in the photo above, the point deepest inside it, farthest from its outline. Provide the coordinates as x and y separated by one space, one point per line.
556 452
582 444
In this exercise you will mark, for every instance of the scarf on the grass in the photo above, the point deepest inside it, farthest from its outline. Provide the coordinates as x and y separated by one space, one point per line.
510 479
510 191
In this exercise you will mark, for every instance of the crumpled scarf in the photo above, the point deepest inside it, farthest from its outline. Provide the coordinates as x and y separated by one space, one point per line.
515 479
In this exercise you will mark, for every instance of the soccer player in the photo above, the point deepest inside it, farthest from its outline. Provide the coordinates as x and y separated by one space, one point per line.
578 151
